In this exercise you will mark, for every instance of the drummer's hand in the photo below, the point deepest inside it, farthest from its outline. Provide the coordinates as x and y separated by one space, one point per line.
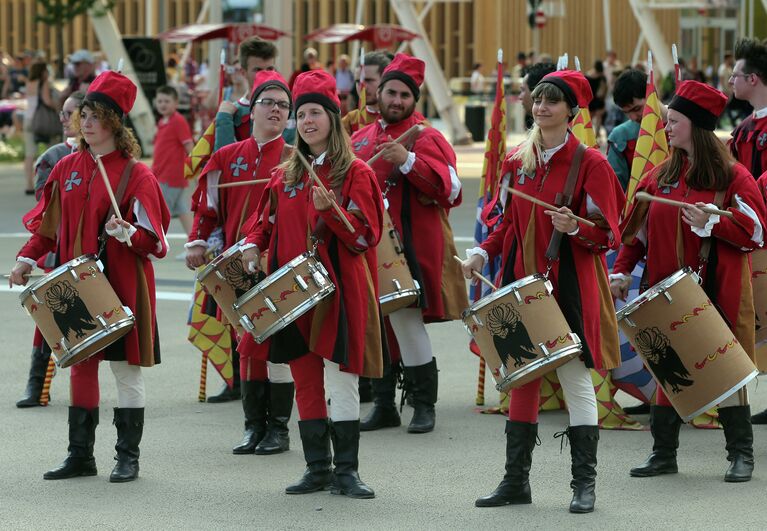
561 221
694 216
474 263
120 229
393 152
322 200
19 274
195 257
250 259
227 107
619 287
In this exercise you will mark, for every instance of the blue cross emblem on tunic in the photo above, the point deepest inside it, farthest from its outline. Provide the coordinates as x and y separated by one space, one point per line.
73 181
522 176
292 189
238 165
667 189
359 145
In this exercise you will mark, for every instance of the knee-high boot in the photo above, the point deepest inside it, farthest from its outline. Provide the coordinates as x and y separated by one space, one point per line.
664 425
130 428
254 398
422 381
514 488
583 451
82 436
276 439
37 370
315 438
739 435
384 413
346 446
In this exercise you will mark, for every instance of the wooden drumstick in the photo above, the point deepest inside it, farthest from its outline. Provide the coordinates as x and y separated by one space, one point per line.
241 183
644 196
478 275
401 138
116 207
26 275
322 186
544 204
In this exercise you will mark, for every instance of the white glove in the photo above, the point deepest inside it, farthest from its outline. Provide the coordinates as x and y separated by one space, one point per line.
120 235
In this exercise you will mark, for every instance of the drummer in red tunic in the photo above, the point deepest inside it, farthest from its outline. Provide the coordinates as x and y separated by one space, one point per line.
71 220
267 395
700 171
539 167
340 338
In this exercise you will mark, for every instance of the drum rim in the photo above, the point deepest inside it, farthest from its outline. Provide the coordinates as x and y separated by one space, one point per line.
401 294
501 292
652 292
570 350
208 269
112 327
279 273
75 262
753 374
292 315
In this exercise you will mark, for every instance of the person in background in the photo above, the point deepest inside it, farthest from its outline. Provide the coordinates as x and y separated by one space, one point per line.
83 72
344 81
477 80
38 89
375 62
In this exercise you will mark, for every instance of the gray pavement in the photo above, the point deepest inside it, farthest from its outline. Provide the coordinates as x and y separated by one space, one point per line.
190 480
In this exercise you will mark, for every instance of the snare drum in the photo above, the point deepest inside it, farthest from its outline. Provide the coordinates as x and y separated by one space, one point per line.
396 287
686 344
521 332
77 310
283 296
759 284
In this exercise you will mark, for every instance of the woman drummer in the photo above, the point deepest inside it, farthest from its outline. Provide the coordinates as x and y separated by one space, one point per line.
340 338
700 171
540 167
74 218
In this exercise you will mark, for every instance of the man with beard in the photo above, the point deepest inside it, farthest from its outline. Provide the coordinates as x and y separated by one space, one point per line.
375 62
421 186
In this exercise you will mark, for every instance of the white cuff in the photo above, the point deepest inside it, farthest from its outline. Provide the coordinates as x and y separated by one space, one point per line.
26 260
196 243
478 251
705 232
618 276
576 231
408 164
119 235
246 246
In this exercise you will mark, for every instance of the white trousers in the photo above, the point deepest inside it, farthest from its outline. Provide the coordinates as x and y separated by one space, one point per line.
342 389
414 344
578 389
279 372
131 392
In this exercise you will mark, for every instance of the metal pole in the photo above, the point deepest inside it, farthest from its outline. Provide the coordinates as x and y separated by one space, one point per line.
149 28
608 26
356 44
215 16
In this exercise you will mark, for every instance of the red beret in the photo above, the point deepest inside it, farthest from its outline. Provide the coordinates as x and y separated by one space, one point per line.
574 85
266 79
114 90
701 103
408 69
316 86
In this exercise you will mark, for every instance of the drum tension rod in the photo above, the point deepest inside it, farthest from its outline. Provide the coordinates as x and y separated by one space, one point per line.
396 284
668 296
301 283
74 274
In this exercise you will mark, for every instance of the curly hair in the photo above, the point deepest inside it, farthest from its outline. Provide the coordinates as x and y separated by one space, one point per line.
125 141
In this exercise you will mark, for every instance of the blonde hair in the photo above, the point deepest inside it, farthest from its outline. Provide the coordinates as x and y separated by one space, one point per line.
125 141
339 153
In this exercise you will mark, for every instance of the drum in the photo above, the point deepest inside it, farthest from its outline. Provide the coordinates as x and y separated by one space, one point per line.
686 344
77 310
226 280
759 284
283 296
396 287
521 332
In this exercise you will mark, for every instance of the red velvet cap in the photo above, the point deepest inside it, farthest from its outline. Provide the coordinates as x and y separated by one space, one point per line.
113 90
316 86
701 103
408 69
266 79
574 85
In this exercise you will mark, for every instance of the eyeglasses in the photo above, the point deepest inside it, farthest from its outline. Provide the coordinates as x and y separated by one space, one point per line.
65 115
744 76
269 103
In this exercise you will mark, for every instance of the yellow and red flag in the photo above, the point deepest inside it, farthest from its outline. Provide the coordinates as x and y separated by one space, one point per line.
201 152
362 116
581 125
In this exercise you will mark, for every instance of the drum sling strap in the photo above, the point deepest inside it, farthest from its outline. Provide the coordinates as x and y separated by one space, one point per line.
565 198
705 257
119 193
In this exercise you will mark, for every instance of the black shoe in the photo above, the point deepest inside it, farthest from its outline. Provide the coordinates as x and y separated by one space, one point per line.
254 402
37 370
82 436
130 428
583 450
641 409
664 425
276 439
739 435
384 413
226 394
365 386
759 418
514 488
346 446
422 383
315 438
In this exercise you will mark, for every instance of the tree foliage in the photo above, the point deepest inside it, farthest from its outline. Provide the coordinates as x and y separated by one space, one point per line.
60 12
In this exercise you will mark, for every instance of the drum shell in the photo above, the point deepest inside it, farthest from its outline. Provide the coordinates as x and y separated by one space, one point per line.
538 312
759 284
283 297
396 287
678 309
107 319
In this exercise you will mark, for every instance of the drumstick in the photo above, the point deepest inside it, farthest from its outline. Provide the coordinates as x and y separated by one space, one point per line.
478 275
112 197
25 275
544 204
398 140
644 196
322 186
241 183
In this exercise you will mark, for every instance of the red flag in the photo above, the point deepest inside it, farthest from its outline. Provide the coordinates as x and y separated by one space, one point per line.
495 149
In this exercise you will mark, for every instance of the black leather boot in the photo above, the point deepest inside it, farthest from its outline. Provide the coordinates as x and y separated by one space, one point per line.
37 370
254 402
365 386
739 435
422 381
664 425
315 438
227 394
346 446
82 436
130 427
384 413
514 488
583 451
276 439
